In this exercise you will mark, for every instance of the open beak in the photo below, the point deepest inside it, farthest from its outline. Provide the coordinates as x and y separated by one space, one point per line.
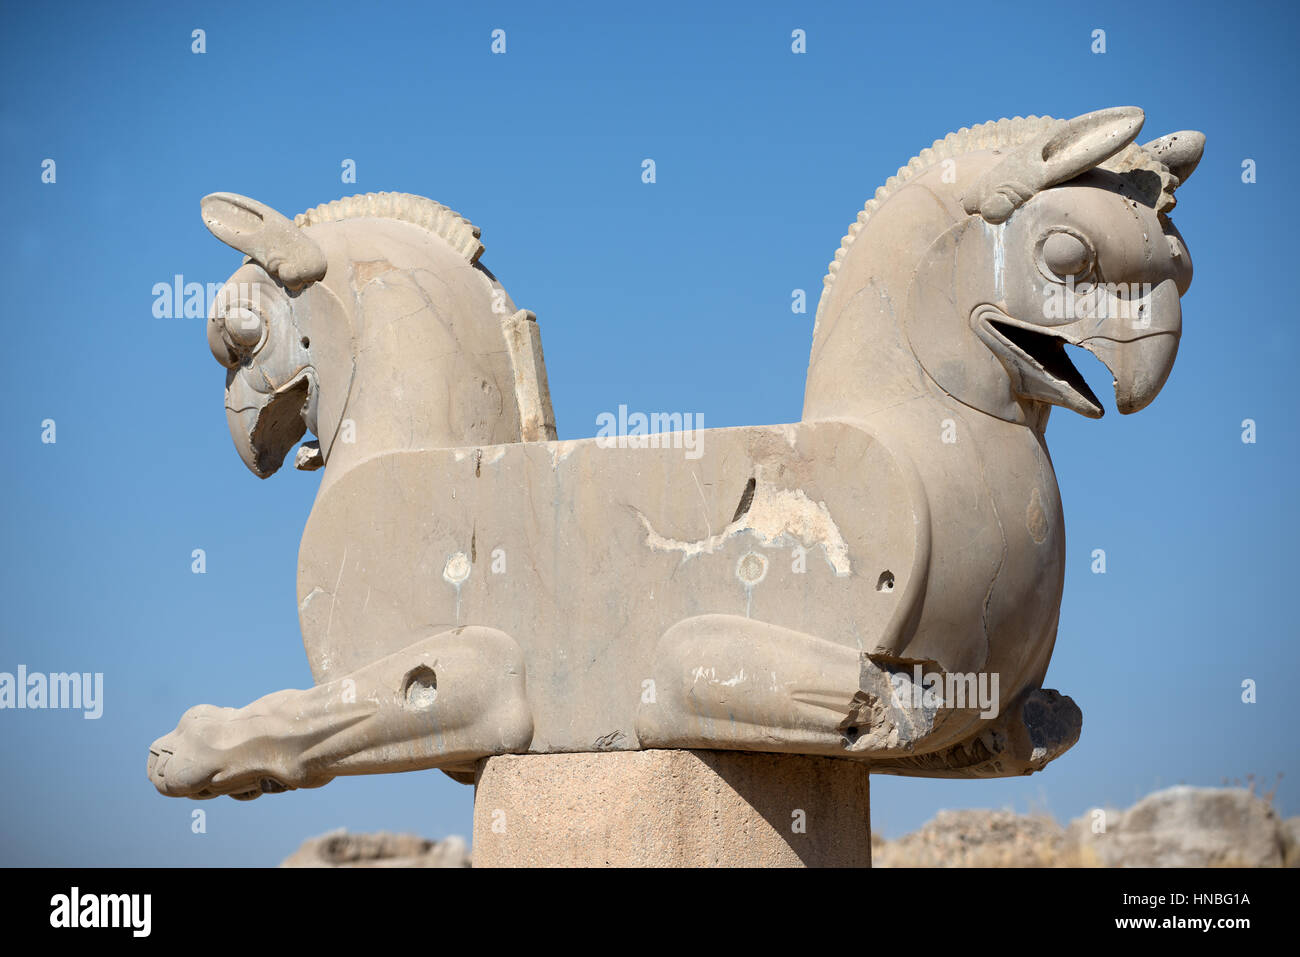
265 425
1137 341
1038 366
1140 366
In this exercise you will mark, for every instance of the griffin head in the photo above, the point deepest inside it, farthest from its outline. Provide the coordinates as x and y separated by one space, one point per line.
260 328
1100 264
1067 241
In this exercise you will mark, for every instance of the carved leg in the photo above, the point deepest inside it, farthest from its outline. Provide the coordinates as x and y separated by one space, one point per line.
442 702
727 682
1039 727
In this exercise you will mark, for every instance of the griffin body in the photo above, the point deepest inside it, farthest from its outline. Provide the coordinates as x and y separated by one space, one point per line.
470 586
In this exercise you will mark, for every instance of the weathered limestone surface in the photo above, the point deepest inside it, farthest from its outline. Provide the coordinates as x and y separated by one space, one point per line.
879 581
671 809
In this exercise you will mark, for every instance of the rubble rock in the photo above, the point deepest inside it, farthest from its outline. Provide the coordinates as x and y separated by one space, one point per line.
1185 827
341 849
975 839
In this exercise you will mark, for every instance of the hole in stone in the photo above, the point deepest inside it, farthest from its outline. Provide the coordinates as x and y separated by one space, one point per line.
306 343
851 734
746 500
751 568
420 687
457 568
886 581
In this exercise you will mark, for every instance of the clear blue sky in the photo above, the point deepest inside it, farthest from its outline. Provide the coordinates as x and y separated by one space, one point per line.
673 296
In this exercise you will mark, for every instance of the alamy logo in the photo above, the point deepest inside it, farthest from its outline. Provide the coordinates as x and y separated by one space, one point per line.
179 299
103 910
1102 300
658 430
84 691
932 690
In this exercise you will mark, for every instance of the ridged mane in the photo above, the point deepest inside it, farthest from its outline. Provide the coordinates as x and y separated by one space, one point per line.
455 229
1000 134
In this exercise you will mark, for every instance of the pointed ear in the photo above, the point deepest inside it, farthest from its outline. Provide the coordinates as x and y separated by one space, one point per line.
1179 151
1088 141
270 238
1065 151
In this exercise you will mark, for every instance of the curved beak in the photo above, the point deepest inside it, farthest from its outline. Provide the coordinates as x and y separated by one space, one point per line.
1140 366
1138 343
265 425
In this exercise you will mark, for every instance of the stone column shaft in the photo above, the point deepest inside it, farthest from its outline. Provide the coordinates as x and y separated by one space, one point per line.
671 809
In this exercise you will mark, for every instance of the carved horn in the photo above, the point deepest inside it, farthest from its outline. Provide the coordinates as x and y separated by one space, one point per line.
269 237
1065 151
1179 151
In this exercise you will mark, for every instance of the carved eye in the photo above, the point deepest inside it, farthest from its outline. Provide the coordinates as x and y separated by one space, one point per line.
244 327
1065 254
234 332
